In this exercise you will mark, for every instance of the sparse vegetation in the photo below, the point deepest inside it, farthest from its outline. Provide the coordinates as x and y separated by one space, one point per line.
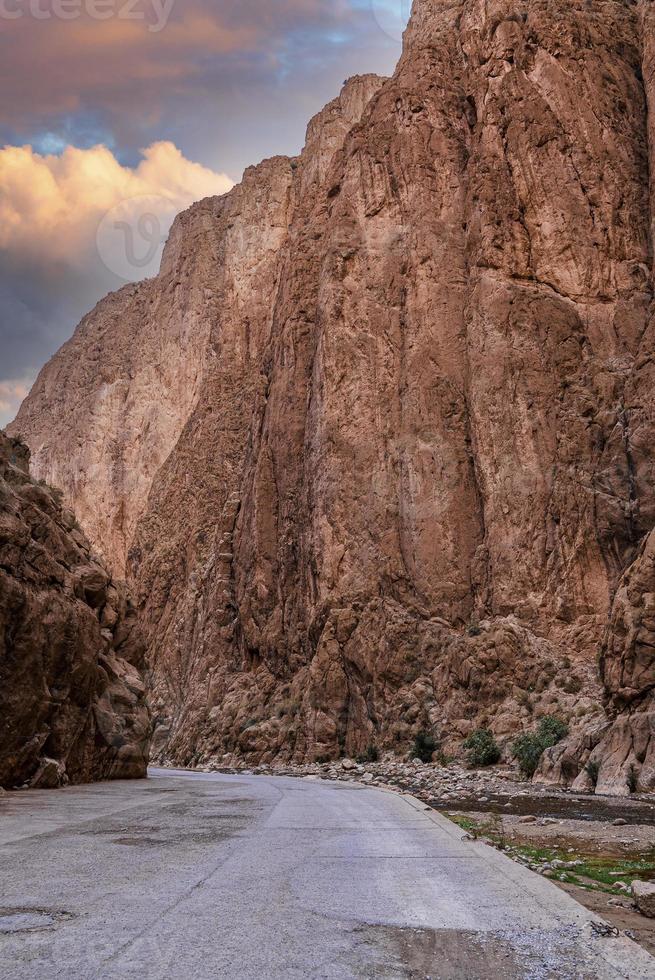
491 829
593 771
633 779
552 730
372 754
593 872
572 685
524 699
425 745
528 748
482 748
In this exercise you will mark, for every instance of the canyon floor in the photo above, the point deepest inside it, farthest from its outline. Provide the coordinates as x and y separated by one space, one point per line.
241 876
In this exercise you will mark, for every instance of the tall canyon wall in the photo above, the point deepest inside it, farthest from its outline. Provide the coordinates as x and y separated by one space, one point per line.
375 447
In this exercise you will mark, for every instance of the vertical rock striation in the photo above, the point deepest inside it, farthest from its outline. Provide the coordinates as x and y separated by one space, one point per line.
109 407
408 462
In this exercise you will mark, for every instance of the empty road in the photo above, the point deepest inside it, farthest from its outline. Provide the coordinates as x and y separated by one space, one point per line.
191 877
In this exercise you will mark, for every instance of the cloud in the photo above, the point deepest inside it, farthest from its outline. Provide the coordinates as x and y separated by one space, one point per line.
11 395
233 80
66 222
122 63
51 206
81 206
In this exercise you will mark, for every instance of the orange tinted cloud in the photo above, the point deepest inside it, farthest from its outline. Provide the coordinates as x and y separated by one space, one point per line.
227 80
59 244
12 394
51 206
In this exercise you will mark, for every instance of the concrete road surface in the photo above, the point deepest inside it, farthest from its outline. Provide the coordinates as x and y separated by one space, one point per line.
192 877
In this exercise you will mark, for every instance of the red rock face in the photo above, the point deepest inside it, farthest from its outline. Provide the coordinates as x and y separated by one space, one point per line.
110 406
617 755
416 459
72 702
627 665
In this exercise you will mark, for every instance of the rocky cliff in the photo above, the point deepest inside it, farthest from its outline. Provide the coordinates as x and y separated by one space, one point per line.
72 703
617 754
110 406
404 452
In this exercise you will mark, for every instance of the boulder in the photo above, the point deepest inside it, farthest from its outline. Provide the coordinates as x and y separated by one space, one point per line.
50 774
643 893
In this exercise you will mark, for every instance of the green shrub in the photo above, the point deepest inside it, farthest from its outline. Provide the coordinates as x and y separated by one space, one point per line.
552 730
528 749
593 771
482 748
372 754
424 747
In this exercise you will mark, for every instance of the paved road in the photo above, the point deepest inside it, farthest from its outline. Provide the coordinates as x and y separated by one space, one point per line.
194 876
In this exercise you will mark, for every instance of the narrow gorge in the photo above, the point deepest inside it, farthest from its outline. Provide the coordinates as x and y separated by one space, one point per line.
374 451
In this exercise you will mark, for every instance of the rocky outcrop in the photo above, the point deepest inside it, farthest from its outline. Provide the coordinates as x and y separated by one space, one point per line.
72 702
413 461
618 757
627 659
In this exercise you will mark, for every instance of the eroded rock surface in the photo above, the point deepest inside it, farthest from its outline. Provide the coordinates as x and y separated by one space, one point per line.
72 701
110 406
618 756
410 453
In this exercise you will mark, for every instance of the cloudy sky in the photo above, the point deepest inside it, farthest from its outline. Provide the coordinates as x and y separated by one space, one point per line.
116 114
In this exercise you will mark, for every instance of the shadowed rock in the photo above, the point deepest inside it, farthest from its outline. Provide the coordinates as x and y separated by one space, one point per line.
72 701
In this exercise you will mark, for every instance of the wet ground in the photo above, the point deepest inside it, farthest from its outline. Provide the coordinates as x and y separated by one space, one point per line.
562 806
